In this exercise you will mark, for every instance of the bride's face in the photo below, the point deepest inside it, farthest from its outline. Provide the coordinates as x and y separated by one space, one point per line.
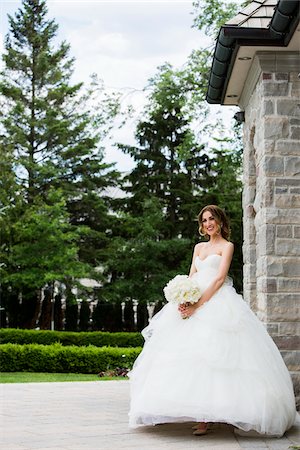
209 224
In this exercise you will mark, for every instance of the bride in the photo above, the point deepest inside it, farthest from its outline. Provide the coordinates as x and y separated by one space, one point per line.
220 365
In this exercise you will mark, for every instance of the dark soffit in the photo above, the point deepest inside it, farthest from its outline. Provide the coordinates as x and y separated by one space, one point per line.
232 37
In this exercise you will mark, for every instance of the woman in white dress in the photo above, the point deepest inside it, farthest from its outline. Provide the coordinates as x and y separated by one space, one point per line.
220 365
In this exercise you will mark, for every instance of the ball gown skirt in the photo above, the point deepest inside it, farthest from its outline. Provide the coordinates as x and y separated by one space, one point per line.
220 365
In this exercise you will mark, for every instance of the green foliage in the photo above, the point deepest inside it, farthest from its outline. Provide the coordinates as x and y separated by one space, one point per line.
212 14
170 165
62 359
43 245
84 316
45 337
53 219
71 314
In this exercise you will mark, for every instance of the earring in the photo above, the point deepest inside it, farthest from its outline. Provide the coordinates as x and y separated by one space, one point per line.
200 232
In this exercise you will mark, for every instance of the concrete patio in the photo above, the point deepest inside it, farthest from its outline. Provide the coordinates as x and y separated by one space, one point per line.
93 415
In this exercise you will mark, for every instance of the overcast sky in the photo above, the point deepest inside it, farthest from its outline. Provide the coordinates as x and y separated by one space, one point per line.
123 42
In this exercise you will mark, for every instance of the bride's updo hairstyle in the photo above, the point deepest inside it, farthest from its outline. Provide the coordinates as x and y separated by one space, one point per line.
219 216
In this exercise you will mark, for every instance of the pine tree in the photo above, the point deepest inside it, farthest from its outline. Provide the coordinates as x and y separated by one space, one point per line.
170 165
51 138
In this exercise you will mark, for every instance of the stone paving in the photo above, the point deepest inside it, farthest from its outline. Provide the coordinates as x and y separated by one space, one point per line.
93 415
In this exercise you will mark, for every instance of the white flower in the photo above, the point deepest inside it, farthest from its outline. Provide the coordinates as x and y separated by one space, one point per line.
182 289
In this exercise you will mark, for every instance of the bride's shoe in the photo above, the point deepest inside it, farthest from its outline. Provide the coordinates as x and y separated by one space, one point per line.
201 431
195 427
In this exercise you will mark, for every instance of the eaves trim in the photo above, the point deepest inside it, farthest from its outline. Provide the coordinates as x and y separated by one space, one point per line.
232 37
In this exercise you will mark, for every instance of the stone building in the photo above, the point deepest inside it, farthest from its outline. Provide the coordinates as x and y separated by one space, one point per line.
256 66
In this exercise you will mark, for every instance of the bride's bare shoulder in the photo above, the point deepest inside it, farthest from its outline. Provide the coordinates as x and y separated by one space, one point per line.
227 247
198 247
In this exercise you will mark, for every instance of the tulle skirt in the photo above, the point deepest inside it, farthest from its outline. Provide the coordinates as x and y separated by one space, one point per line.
220 365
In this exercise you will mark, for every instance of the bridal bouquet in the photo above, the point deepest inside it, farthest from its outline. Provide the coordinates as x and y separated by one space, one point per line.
182 289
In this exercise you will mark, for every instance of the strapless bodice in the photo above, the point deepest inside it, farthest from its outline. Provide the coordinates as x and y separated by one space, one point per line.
212 261
207 269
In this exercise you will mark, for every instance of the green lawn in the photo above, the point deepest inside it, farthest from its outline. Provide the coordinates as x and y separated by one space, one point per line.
32 377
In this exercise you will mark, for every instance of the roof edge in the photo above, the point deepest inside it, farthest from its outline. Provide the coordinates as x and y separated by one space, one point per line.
231 37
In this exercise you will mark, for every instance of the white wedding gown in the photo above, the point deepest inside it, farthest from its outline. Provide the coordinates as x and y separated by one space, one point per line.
220 365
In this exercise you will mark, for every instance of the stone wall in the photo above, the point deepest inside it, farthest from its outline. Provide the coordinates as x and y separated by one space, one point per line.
271 200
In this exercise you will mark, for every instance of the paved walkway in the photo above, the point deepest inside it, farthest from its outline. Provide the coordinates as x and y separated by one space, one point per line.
93 415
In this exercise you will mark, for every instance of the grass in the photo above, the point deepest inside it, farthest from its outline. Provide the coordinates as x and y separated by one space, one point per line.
33 377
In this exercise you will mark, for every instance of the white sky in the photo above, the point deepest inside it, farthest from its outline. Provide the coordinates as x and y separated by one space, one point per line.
123 42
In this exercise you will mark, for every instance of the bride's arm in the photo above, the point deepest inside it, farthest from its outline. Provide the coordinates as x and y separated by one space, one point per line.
227 254
196 253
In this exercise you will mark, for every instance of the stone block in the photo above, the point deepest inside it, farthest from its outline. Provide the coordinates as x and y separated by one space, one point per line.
282 216
288 107
250 296
295 190
295 132
272 328
287 182
272 165
287 342
291 359
296 231
275 89
249 253
287 247
288 284
292 166
290 266
265 239
287 201
294 121
267 76
261 301
276 127
249 194
250 236
295 89
285 231
266 285
289 328
274 266
249 271
296 383
282 307
266 189
282 76
261 265
281 190
267 107
287 147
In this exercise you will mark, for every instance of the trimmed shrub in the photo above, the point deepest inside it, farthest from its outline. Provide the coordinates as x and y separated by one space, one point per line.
45 337
64 359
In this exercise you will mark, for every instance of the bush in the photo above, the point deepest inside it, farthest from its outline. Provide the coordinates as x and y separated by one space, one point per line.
65 359
46 337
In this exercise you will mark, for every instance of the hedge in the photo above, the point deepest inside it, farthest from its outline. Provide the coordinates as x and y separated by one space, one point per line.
45 337
64 359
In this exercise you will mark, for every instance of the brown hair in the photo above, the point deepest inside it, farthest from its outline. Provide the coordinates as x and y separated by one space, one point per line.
219 216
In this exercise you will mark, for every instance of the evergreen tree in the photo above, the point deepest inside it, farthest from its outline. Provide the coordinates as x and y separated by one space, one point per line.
50 138
71 312
58 313
170 165
84 316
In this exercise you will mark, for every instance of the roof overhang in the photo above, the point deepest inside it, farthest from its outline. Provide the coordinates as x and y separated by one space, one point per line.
236 47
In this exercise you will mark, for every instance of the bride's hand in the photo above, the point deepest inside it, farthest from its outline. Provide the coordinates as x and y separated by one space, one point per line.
181 308
187 309
190 309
